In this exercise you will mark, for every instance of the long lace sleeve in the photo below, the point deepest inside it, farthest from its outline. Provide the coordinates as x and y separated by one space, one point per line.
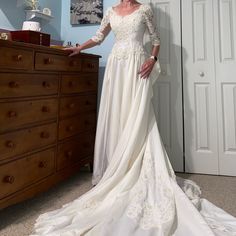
104 28
149 18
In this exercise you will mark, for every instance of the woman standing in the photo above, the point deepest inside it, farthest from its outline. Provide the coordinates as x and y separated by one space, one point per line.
135 193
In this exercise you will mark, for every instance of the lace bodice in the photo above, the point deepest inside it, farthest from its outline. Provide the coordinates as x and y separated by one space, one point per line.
129 30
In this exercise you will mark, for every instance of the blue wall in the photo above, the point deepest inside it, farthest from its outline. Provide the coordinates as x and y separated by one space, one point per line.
12 16
54 27
82 33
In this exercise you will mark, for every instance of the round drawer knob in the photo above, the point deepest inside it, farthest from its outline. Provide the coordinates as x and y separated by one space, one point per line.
18 57
71 105
45 109
44 135
46 84
48 61
69 153
70 128
10 144
12 114
42 164
73 63
9 179
13 84
71 84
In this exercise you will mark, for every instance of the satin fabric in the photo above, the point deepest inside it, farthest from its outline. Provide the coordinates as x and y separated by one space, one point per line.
136 192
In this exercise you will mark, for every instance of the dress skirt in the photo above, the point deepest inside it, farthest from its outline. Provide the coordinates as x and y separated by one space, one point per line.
136 192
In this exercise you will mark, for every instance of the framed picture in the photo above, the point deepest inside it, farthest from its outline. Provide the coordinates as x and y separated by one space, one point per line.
86 12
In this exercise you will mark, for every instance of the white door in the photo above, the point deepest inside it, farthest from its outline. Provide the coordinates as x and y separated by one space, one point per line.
168 89
200 113
225 59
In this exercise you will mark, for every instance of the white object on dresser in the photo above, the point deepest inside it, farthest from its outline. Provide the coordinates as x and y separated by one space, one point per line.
47 11
31 25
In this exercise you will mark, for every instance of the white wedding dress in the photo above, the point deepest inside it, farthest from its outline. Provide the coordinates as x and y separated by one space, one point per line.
136 192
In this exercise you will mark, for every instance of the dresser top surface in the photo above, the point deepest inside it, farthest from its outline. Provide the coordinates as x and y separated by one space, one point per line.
28 46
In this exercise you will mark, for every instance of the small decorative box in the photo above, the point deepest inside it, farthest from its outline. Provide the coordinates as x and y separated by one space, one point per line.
28 36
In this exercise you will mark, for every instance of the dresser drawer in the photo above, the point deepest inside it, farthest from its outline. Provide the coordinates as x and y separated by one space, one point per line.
74 105
23 172
12 58
90 65
77 124
22 141
16 114
22 85
75 149
78 84
46 61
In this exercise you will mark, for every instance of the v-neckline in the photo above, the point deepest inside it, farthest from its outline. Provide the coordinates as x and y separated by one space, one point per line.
123 16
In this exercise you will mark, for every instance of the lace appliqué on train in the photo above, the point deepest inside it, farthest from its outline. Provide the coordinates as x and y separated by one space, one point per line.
91 204
150 212
219 226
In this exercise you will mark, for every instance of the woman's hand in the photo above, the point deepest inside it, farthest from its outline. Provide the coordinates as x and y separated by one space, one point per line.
75 50
146 68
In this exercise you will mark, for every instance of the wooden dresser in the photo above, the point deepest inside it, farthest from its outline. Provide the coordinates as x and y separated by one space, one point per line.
48 104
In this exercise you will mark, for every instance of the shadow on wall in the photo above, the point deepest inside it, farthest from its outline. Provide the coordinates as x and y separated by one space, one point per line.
54 26
15 14
11 9
50 29
167 91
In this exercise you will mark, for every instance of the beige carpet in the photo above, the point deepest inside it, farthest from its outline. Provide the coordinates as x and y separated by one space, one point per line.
18 220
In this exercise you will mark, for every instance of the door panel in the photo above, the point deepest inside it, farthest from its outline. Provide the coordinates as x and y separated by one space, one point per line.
209 87
200 116
225 59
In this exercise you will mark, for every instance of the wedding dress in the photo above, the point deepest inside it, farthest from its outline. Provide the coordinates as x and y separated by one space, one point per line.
137 192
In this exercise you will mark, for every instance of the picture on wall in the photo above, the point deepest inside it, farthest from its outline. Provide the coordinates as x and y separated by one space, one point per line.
86 11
